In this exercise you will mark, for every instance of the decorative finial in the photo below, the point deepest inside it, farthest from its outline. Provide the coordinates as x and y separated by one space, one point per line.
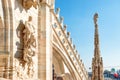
61 19
68 34
57 10
64 27
95 18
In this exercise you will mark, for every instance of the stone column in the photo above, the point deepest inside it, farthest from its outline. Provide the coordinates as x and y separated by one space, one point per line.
6 26
44 42
6 35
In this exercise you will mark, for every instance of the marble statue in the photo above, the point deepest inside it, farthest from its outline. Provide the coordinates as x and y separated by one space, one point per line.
29 45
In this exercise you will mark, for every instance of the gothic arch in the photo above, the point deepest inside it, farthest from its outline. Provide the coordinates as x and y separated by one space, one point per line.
61 55
57 62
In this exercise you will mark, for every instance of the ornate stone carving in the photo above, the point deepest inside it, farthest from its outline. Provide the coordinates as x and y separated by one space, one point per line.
97 66
29 45
25 65
27 4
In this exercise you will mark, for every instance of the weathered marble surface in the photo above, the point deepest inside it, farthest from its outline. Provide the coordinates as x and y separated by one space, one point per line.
33 45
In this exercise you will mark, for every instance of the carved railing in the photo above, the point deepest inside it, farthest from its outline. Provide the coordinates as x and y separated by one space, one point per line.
64 36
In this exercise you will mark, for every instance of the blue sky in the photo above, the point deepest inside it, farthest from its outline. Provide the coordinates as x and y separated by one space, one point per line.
78 15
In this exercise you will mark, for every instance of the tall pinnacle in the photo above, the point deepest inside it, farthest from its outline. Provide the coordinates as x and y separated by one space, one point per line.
97 64
96 37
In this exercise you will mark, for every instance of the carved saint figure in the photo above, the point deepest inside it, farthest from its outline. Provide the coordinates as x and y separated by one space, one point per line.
29 44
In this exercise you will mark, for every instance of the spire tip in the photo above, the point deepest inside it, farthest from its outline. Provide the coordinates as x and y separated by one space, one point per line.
95 18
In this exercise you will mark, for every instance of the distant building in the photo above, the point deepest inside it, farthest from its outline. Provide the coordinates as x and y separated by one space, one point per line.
108 79
111 75
108 75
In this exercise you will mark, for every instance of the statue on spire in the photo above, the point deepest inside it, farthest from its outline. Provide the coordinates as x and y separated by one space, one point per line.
95 18
97 63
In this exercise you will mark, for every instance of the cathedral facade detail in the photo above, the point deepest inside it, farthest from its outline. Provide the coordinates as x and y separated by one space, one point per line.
35 44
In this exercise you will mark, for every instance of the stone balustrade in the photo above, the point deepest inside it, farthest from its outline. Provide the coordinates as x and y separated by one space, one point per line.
67 42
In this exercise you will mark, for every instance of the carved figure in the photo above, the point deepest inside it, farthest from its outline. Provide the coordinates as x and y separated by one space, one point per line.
20 44
29 45
27 4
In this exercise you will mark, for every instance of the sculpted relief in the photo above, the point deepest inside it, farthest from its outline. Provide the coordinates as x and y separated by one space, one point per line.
26 62
29 44
27 4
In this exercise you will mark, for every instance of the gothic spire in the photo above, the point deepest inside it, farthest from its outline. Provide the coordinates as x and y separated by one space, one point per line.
97 64
96 37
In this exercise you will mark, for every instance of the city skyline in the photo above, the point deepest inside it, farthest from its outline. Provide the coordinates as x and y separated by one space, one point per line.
79 18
